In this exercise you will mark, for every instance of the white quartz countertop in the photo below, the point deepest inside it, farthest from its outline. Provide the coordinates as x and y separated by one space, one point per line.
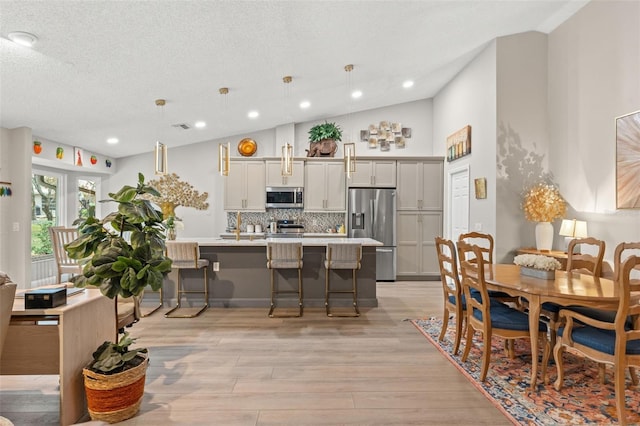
306 241
254 235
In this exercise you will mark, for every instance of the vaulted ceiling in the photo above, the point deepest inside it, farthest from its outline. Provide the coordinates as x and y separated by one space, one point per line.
98 66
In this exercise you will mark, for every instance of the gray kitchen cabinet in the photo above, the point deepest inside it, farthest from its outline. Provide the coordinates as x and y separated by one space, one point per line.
374 173
416 252
274 174
324 186
419 216
244 188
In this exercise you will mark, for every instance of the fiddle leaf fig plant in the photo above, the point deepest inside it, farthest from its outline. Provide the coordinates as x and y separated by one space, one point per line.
124 252
325 131
111 358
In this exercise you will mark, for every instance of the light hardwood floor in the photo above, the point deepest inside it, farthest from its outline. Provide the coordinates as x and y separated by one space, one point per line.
239 367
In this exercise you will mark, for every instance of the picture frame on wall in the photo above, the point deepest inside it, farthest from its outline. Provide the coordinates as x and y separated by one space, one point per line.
628 161
459 144
481 188
364 135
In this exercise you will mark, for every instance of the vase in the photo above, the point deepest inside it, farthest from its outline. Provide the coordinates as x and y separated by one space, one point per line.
544 236
171 234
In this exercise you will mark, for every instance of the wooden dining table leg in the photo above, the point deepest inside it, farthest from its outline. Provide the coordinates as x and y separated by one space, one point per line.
534 319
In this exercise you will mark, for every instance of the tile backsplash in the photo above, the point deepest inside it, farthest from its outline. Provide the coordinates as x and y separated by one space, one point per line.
313 222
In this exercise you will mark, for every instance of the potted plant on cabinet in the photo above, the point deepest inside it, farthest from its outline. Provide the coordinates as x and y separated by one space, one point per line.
121 254
323 139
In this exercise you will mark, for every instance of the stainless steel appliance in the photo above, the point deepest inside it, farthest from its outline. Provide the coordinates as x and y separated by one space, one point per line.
372 214
284 198
287 228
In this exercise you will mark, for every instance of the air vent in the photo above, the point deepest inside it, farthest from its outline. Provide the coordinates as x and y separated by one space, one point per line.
183 126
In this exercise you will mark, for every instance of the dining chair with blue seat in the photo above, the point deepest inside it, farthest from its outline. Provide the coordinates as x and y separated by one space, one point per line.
491 318
485 243
614 343
580 263
454 301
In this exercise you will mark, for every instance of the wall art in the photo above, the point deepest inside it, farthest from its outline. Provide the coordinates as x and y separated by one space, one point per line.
459 144
384 134
628 161
481 188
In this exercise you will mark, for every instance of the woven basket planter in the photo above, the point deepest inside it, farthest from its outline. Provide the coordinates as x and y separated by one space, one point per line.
116 397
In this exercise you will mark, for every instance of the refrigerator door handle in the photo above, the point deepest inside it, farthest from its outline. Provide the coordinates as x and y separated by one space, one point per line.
373 214
384 250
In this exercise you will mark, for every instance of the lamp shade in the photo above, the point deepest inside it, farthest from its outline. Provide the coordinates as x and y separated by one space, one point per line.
567 228
573 228
580 230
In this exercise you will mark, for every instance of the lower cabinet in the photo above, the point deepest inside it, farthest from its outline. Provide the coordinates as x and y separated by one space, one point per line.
416 231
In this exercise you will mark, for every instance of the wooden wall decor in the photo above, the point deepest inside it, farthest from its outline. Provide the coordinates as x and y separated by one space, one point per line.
459 144
628 161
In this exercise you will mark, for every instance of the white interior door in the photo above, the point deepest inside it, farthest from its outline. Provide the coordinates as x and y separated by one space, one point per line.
458 202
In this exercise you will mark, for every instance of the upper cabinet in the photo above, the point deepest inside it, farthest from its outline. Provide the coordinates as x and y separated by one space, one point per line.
420 184
374 173
244 187
324 188
274 174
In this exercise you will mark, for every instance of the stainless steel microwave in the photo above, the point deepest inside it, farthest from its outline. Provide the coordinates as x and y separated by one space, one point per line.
284 198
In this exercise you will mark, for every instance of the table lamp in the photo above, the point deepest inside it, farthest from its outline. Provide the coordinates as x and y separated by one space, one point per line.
572 228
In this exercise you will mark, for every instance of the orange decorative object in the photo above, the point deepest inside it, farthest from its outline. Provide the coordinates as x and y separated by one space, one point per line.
37 147
247 147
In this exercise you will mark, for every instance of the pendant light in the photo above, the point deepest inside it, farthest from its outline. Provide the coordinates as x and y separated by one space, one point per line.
224 149
286 157
160 163
349 148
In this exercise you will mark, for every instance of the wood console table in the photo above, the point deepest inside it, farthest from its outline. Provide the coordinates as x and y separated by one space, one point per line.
59 341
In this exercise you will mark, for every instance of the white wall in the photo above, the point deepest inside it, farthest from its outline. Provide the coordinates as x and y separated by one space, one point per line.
522 135
594 76
15 167
470 99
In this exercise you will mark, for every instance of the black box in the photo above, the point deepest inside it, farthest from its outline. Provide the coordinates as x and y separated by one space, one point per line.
43 298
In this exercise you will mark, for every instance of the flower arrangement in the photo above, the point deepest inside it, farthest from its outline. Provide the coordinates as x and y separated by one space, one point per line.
543 203
174 193
537 261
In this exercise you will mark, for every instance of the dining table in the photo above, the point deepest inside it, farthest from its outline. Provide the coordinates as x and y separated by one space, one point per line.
566 289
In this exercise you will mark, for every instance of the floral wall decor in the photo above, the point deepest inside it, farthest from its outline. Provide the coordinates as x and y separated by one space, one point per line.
384 134
175 193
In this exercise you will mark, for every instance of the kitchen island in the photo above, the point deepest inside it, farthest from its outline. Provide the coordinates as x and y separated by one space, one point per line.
242 277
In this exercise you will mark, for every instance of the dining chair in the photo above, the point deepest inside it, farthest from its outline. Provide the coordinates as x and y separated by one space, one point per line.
186 255
614 343
490 317
576 262
60 236
284 255
454 301
485 243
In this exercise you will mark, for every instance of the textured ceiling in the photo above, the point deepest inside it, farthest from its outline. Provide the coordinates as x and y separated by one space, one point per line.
99 65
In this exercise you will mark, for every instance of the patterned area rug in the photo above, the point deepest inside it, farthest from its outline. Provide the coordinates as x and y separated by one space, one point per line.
582 400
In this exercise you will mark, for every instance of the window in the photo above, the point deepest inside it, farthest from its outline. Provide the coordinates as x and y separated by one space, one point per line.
86 197
45 199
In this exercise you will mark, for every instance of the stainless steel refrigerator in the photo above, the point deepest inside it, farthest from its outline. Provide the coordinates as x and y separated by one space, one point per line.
372 214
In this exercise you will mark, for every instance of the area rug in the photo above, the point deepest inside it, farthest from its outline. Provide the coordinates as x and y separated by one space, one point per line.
582 400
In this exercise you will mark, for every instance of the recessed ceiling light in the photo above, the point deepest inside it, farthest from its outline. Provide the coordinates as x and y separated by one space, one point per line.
305 104
407 84
356 94
200 124
112 140
22 38
253 114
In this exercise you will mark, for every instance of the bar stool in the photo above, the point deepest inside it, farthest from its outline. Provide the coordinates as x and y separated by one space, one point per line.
186 255
285 255
342 256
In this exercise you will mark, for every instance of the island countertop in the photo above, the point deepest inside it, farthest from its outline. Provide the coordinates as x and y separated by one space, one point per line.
307 242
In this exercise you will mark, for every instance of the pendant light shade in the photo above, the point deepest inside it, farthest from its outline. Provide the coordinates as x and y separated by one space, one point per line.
160 153
224 151
286 160
349 159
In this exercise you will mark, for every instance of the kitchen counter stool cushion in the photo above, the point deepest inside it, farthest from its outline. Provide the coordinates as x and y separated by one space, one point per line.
284 255
342 256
